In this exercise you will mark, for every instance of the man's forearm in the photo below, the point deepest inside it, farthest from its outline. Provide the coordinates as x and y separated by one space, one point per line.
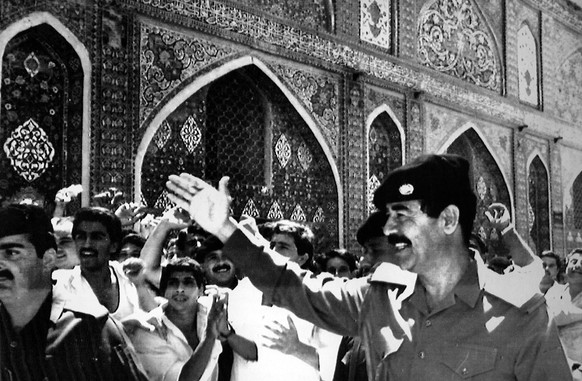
521 253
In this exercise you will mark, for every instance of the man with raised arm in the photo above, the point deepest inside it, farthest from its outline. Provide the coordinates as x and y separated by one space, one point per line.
440 322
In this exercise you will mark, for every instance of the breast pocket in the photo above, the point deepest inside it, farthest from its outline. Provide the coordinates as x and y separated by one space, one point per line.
468 360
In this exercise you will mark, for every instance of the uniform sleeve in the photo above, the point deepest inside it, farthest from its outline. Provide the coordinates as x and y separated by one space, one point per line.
541 356
327 302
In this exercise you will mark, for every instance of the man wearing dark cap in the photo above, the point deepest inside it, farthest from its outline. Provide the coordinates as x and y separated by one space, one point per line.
371 236
438 322
44 336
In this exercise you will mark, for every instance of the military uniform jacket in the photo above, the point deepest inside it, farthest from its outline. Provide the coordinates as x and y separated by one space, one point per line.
473 334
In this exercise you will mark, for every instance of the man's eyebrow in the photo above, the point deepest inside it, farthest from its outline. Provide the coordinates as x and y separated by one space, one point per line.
11 245
399 207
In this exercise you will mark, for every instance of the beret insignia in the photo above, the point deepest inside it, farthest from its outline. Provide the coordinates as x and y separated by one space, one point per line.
406 189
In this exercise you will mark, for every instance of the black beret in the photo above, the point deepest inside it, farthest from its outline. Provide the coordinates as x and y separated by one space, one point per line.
373 227
24 219
438 178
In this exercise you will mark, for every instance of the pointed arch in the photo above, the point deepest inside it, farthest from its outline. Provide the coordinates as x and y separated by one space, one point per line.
528 65
153 123
36 19
577 201
539 202
383 132
488 181
471 126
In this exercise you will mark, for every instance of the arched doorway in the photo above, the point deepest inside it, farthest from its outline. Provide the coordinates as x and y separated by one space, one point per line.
243 126
488 184
41 124
384 152
539 203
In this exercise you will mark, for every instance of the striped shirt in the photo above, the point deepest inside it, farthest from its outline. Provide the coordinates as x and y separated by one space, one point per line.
62 344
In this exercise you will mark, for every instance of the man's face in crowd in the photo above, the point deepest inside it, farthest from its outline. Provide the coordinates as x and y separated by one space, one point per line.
218 269
20 268
338 267
574 268
129 250
284 244
67 257
550 267
182 291
93 245
413 234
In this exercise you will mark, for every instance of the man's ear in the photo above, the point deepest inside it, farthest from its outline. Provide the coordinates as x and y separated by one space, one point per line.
49 260
450 219
114 248
302 259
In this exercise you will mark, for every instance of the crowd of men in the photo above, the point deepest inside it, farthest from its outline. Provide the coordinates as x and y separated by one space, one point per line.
111 293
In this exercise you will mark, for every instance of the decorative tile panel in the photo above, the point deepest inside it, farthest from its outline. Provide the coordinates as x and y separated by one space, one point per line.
168 58
569 88
298 214
375 22
283 150
29 150
163 134
453 39
319 93
250 209
275 212
527 66
190 134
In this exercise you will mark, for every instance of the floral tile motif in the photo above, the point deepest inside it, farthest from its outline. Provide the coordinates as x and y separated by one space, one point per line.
304 156
527 66
250 209
275 212
453 39
298 214
283 150
375 22
191 134
319 216
162 135
29 150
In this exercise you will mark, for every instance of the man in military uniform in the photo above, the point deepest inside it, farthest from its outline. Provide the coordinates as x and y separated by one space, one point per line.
438 321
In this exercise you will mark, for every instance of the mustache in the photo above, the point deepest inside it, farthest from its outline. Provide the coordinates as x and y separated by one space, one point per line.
394 239
6 274
222 266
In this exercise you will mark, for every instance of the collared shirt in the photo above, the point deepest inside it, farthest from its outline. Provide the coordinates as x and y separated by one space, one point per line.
567 313
473 334
162 348
64 344
249 317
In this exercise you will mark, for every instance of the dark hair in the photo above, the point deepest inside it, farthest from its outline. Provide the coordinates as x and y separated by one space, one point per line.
551 254
105 217
577 250
30 220
209 245
373 227
134 239
467 205
348 257
185 264
302 236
